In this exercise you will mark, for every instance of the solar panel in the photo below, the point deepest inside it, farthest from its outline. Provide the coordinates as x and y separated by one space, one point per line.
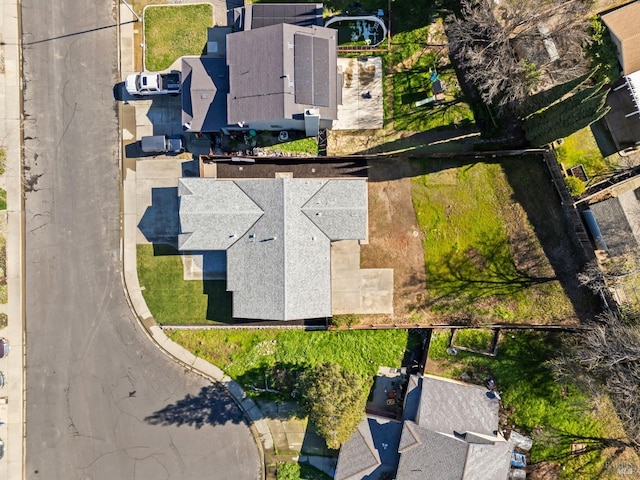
303 68
263 15
320 72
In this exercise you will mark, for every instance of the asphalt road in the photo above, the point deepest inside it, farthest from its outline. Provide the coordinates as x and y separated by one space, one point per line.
102 401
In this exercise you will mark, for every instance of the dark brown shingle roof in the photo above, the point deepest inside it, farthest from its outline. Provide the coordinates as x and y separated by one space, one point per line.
270 78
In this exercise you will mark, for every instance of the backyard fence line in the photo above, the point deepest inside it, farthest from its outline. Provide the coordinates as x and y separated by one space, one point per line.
397 326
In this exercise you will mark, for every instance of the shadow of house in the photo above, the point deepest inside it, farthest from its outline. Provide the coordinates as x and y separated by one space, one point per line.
212 406
160 222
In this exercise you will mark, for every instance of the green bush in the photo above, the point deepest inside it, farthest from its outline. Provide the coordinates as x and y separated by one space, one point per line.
3 160
603 52
4 320
575 186
288 471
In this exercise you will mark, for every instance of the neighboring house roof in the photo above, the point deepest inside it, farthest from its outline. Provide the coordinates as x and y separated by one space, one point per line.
450 432
277 233
204 93
371 452
429 455
260 15
449 406
623 25
280 71
619 221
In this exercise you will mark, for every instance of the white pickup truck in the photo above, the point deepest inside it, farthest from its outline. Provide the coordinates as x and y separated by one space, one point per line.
153 83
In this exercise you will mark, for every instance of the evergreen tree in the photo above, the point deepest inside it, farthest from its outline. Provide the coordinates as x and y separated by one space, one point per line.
335 401
581 116
548 97
558 111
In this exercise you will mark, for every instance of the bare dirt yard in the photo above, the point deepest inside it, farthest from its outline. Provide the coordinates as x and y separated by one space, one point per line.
395 239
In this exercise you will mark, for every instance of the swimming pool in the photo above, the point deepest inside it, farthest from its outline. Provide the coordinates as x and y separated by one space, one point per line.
368 29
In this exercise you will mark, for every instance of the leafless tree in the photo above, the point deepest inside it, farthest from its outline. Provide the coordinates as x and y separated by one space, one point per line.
593 278
606 360
504 49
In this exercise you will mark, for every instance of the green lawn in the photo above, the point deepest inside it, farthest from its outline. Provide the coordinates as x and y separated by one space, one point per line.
581 148
541 406
172 32
246 355
414 83
173 300
308 146
474 339
3 199
484 260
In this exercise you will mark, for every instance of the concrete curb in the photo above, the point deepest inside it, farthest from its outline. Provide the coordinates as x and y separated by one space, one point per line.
13 395
133 293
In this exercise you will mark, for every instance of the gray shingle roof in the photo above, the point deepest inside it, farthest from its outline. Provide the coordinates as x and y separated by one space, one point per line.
488 460
448 406
270 79
205 85
358 456
371 452
453 436
332 210
226 206
429 455
278 260
619 221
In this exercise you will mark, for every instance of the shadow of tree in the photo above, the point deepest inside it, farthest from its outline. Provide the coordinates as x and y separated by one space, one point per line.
212 406
590 449
276 383
484 269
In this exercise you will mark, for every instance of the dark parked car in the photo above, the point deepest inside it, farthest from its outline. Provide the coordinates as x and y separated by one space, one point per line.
1 448
4 347
162 144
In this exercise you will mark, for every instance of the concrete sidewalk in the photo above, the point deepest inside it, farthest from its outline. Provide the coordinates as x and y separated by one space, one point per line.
12 430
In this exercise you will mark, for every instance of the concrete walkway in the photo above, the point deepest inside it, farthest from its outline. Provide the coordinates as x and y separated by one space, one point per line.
12 396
